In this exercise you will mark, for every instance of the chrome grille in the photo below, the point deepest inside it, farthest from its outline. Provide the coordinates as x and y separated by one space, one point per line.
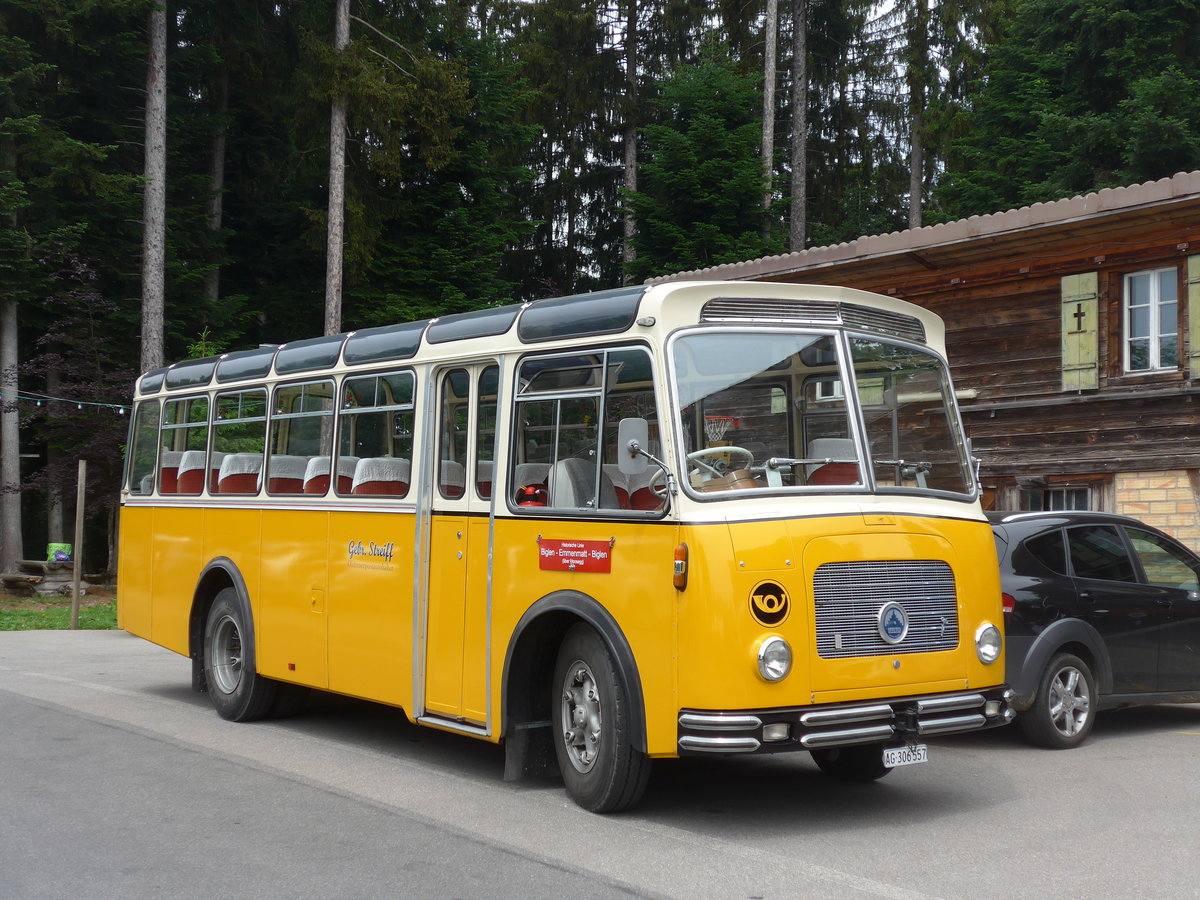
849 595
852 315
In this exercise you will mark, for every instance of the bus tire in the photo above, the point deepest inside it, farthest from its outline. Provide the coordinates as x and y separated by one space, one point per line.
861 763
237 691
602 770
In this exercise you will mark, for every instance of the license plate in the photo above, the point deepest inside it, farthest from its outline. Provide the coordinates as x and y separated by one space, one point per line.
905 756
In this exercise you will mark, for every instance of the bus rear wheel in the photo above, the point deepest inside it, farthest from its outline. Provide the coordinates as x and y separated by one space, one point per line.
238 693
602 770
862 763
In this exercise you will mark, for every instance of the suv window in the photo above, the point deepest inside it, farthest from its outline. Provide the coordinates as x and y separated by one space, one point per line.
1048 549
1097 551
1161 562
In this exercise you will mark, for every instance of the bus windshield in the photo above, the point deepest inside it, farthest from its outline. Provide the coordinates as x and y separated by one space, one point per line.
806 410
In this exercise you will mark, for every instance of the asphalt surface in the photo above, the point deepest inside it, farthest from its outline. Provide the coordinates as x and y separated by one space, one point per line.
117 781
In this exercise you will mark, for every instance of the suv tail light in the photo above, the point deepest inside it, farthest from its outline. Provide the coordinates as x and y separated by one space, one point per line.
1008 603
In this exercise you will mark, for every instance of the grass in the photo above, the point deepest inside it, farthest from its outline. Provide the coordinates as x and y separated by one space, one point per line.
97 610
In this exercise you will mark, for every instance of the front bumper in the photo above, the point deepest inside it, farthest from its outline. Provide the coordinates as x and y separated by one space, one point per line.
902 720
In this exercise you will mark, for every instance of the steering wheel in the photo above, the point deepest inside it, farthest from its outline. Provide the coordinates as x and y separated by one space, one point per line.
697 456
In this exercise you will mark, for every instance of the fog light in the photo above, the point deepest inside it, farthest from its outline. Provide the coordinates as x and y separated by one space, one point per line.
774 659
776 732
988 643
991 708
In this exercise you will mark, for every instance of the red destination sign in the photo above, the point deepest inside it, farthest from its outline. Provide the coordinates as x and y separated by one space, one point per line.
574 556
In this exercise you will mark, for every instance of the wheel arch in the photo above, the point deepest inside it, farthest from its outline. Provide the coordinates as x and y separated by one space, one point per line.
526 714
219 574
1063 636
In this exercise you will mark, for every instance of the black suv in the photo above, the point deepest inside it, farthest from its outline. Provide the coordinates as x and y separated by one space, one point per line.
1100 611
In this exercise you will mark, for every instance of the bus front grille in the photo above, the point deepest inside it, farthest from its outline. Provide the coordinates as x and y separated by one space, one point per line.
849 597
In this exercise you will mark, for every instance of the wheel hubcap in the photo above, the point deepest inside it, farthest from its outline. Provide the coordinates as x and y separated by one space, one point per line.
580 716
225 651
1070 701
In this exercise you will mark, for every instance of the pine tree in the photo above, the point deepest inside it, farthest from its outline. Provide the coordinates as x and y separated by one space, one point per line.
1079 95
700 200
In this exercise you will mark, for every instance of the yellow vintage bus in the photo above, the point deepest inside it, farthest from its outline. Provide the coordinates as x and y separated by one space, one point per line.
690 518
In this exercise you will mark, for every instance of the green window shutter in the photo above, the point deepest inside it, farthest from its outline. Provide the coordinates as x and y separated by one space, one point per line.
1080 332
1193 310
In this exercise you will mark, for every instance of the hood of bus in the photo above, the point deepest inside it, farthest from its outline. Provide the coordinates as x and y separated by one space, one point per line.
879 603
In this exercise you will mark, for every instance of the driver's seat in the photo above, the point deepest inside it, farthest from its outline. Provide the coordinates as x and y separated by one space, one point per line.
842 471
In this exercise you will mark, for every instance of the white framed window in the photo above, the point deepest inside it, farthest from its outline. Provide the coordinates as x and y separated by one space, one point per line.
1151 308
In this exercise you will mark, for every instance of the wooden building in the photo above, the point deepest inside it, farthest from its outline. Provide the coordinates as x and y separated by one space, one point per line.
1073 330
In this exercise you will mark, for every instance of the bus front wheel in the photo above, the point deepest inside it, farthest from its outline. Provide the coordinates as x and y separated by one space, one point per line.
238 692
602 769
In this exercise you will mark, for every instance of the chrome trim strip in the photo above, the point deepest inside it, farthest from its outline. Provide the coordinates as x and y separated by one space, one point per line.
846 715
848 736
253 503
718 744
948 704
719 722
451 725
955 723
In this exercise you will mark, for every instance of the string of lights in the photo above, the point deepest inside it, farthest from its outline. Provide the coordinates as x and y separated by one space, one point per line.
39 399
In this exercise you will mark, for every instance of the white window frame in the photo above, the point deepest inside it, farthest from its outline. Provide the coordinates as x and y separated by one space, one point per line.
1154 337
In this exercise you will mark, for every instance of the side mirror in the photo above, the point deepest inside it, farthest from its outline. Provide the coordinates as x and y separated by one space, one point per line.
632 437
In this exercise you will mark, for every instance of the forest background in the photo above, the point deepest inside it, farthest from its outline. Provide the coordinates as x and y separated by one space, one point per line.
506 151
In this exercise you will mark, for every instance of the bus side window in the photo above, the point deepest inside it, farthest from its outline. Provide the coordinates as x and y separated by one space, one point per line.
301 430
375 425
561 404
141 448
240 434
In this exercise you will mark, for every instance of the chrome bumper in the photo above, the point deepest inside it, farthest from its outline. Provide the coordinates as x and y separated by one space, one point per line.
843 725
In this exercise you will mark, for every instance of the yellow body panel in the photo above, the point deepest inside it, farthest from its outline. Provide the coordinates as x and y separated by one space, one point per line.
369 605
135 605
291 637
456 659
637 592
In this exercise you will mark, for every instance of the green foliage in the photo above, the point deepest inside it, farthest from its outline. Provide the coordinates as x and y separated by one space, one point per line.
442 248
54 614
700 175
1080 95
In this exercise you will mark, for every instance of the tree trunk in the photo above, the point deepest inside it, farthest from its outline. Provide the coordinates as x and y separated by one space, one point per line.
11 548
154 201
337 186
770 39
918 77
799 207
628 251
216 197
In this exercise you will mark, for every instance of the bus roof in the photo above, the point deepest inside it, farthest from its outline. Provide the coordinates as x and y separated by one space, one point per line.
661 308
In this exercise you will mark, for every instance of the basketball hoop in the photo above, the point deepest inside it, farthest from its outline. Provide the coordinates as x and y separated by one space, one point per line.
715 427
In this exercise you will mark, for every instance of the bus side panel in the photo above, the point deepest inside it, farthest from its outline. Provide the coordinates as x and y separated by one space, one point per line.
370 605
233 534
292 612
638 592
177 558
136 571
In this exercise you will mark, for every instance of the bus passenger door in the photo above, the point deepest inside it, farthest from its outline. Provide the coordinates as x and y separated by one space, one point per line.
456 599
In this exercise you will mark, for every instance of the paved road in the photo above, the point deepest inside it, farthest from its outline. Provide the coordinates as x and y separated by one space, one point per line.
117 781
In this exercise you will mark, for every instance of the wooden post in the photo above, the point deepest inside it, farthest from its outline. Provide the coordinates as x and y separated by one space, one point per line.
77 548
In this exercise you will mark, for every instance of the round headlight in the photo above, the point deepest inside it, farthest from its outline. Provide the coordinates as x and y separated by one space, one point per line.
774 659
988 643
